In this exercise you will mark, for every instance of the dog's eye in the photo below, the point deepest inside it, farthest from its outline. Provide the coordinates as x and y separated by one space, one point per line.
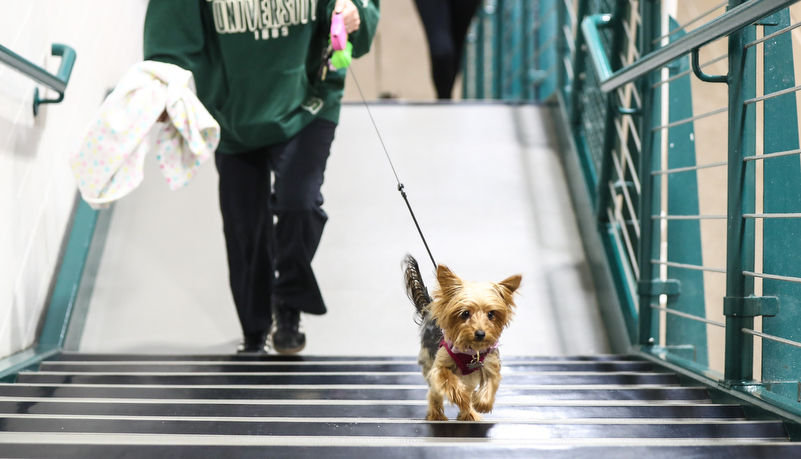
464 315
491 315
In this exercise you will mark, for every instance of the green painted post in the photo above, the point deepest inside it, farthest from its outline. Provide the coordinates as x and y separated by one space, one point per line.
740 233
497 49
782 194
684 236
579 66
65 291
610 131
562 51
649 197
527 39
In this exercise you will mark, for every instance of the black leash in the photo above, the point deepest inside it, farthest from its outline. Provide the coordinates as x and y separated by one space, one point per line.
400 185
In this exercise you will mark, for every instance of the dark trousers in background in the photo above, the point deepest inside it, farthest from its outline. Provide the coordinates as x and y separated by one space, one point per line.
272 232
446 23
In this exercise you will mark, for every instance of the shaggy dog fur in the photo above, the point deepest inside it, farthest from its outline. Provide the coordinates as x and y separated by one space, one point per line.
462 318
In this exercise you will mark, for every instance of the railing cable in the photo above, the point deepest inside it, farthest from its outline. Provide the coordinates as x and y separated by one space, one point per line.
772 95
796 280
774 34
688 217
690 168
691 119
672 264
772 155
697 18
771 337
776 215
688 316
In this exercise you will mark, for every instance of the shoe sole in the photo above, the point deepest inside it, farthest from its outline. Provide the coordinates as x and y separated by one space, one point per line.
290 351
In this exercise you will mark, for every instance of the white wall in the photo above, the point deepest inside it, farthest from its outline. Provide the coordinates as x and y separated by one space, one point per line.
36 185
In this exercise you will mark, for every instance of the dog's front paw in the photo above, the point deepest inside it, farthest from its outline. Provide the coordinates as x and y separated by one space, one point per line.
484 406
470 415
456 392
483 401
434 415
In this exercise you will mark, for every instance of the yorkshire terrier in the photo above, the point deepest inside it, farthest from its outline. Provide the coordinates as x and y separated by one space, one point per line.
460 328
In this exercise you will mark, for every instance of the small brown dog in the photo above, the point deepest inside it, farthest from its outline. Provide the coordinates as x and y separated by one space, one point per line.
460 328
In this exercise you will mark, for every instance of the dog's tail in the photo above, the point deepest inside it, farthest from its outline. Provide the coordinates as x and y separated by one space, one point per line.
415 288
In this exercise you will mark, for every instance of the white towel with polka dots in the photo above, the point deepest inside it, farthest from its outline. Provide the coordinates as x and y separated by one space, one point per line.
108 162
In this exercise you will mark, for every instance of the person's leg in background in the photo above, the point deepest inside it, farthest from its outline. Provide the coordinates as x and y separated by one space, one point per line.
446 23
435 15
462 14
299 167
244 189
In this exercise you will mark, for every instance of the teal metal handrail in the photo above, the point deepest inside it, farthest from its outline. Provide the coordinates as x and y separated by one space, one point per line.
722 26
633 153
57 82
590 27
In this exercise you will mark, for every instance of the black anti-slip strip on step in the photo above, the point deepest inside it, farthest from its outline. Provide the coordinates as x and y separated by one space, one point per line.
482 451
345 393
73 356
415 429
390 378
143 408
280 367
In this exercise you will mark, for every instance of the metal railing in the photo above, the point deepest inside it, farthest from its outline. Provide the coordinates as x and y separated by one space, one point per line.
682 140
57 82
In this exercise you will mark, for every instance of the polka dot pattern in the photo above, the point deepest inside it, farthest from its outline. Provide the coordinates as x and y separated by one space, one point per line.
108 162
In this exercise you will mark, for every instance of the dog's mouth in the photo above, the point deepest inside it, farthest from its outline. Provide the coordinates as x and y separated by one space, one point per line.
475 345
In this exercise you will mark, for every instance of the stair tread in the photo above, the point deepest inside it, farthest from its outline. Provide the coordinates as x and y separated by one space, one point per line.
402 428
374 410
668 449
377 392
258 366
71 356
406 378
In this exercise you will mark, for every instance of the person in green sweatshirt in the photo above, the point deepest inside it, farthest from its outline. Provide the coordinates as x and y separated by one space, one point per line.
257 66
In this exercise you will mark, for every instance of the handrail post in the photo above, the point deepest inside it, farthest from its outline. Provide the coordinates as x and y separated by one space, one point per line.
578 67
614 21
57 82
739 360
651 19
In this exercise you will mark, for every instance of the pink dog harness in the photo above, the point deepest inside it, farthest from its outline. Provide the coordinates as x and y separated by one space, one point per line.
467 361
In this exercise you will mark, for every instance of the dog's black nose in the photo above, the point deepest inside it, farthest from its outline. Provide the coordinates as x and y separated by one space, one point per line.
480 335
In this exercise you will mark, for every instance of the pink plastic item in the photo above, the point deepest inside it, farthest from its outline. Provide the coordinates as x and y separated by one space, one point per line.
339 36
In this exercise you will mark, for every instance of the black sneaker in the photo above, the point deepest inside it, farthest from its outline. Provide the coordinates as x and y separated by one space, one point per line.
253 345
287 338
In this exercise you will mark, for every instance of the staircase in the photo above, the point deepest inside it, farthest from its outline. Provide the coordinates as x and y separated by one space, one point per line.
188 406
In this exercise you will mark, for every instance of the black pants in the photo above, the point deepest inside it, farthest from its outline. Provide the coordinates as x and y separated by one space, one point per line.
446 23
272 232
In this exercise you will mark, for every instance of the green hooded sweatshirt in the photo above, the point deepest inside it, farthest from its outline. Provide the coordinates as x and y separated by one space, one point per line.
256 62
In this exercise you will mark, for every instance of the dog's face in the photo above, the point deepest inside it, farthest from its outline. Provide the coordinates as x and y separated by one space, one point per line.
473 314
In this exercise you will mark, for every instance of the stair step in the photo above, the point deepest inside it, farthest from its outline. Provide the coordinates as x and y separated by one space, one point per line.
78 356
247 448
414 410
355 392
584 407
318 366
333 378
355 427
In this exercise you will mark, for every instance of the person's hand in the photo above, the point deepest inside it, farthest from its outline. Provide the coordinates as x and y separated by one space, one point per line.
350 15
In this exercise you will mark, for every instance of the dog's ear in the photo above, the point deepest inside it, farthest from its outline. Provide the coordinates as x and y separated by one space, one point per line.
449 283
508 286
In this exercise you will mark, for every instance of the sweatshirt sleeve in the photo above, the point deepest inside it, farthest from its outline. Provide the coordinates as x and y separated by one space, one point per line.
369 14
174 33
362 39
